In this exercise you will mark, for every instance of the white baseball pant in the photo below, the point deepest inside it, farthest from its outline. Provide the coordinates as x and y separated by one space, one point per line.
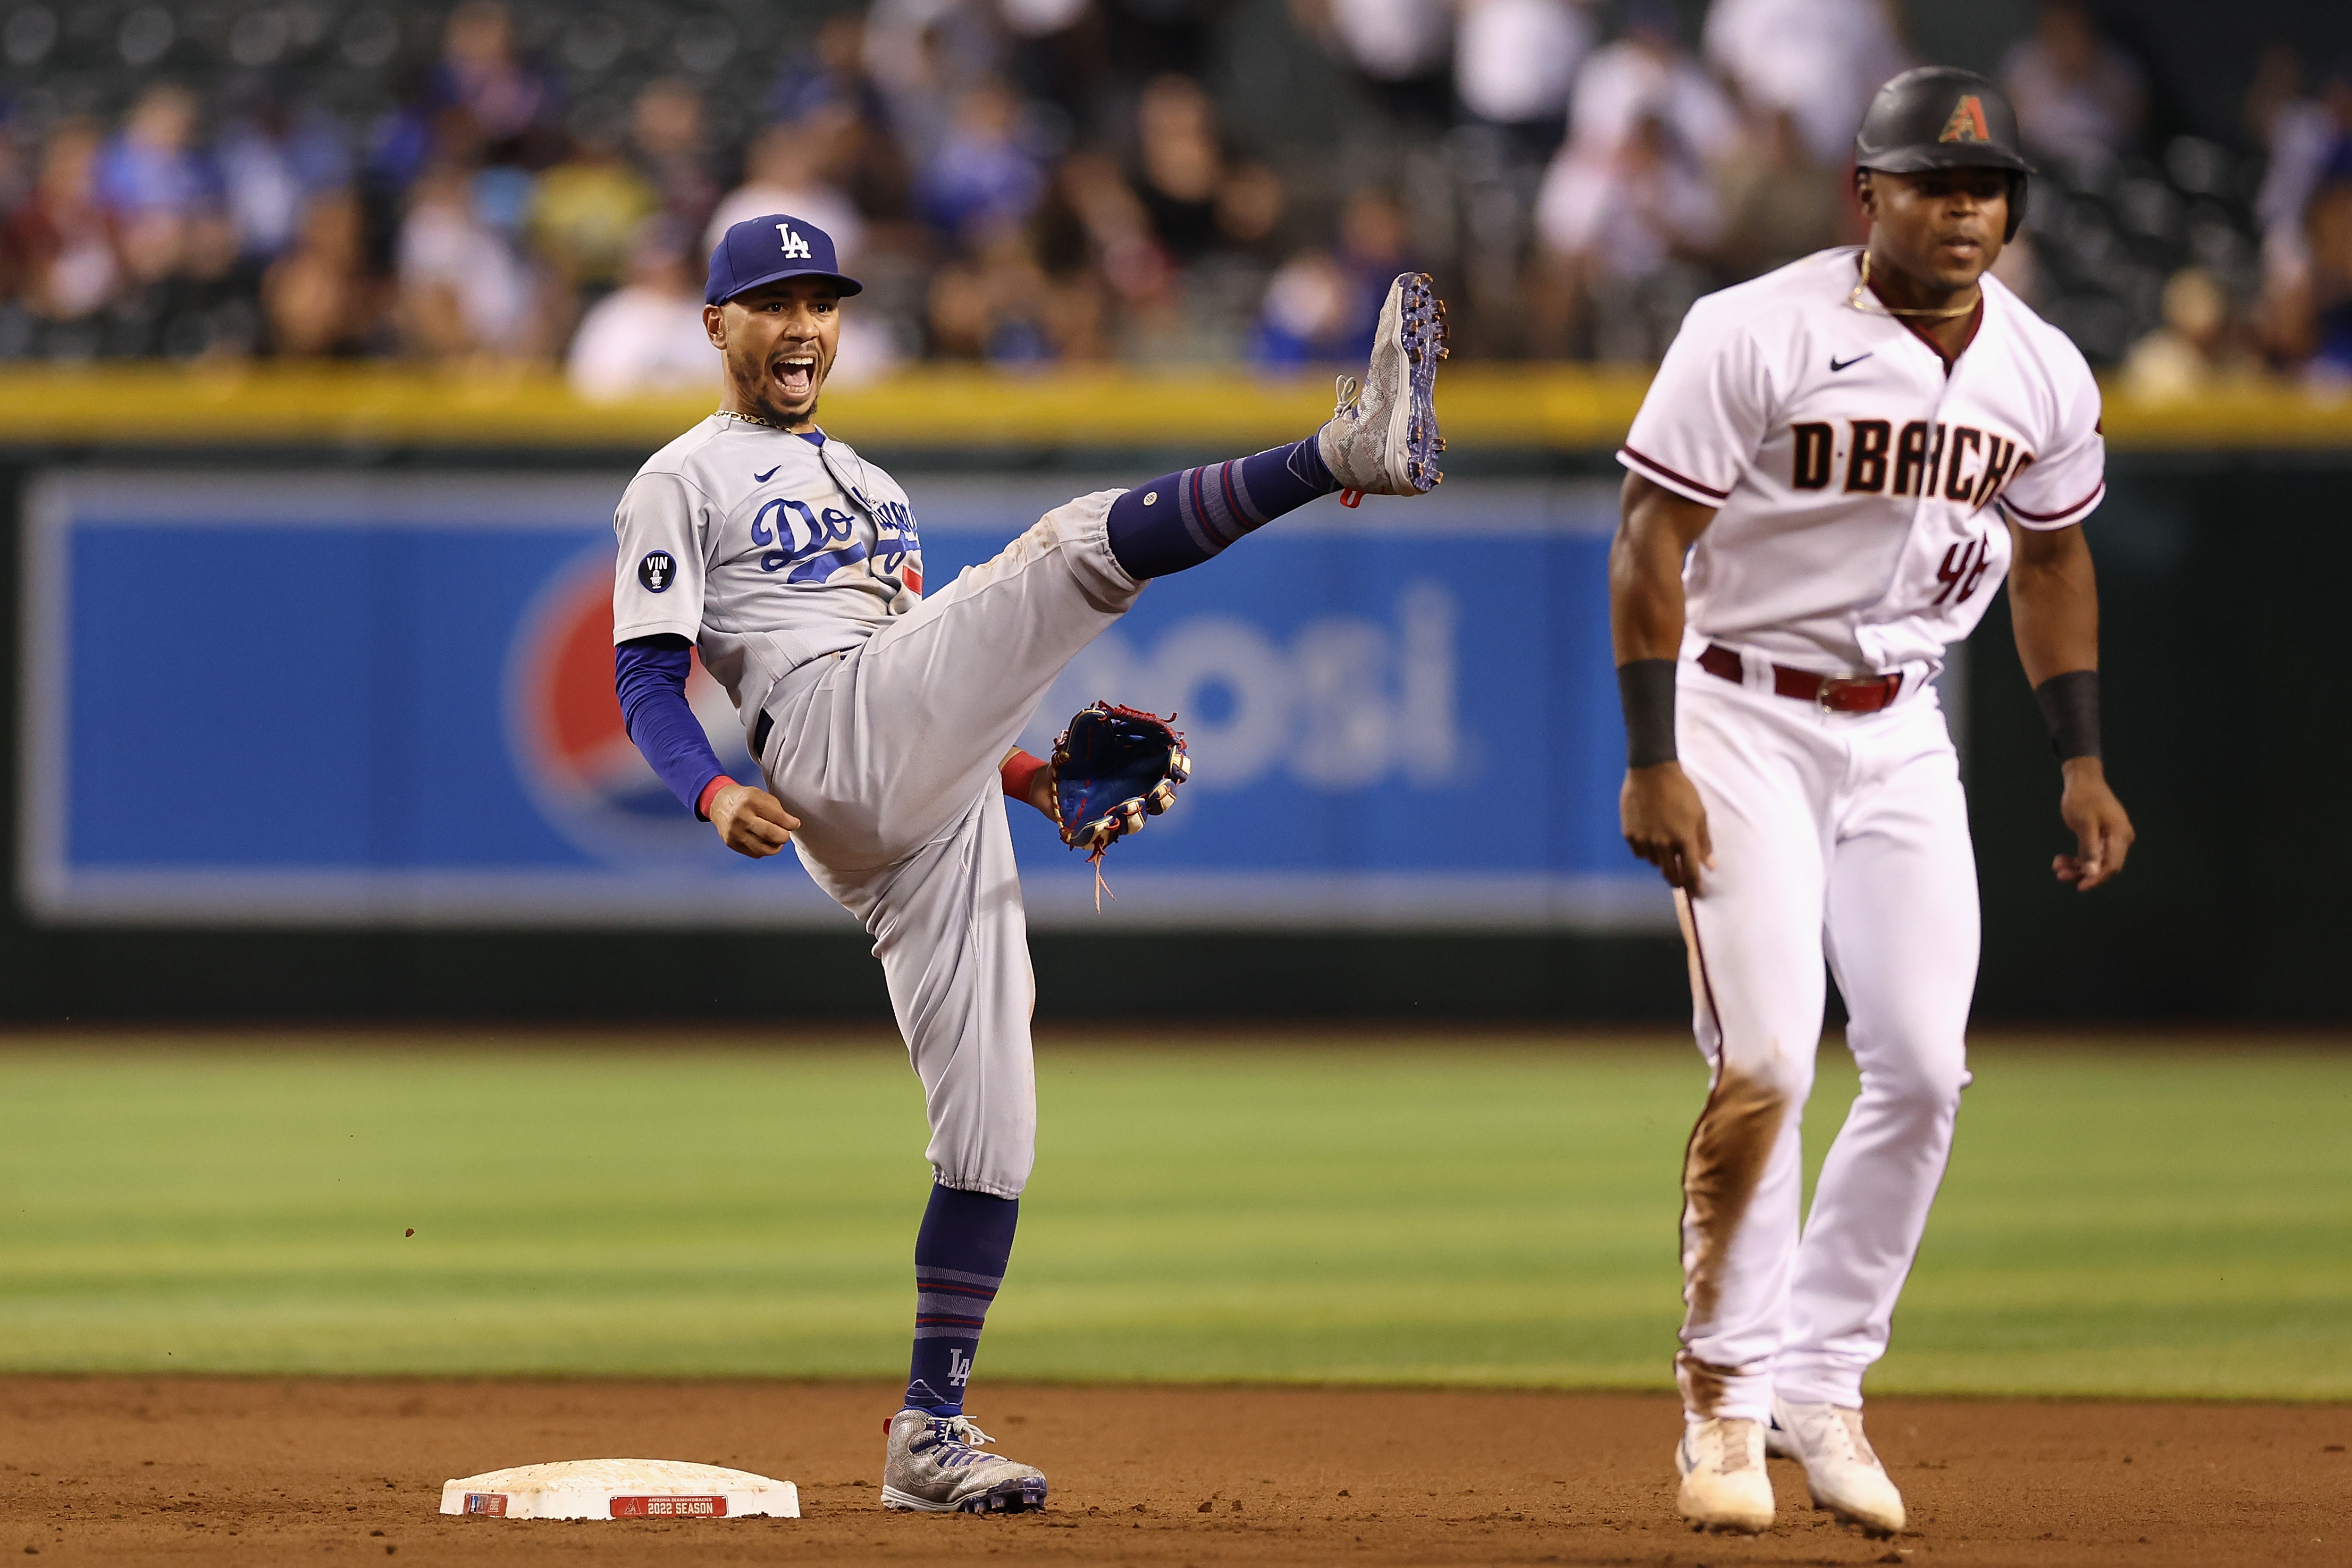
1843 836
888 754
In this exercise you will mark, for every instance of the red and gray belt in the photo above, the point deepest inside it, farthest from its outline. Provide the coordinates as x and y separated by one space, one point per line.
1831 693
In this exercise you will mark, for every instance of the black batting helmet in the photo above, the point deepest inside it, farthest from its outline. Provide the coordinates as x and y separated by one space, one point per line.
1941 117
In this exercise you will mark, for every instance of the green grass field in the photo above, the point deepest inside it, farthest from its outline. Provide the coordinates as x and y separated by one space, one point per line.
2125 1219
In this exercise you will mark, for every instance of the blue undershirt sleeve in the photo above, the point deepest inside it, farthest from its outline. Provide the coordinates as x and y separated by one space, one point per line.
649 675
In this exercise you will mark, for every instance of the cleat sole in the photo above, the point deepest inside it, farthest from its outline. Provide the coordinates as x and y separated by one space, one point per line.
1424 343
1383 431
1013 1497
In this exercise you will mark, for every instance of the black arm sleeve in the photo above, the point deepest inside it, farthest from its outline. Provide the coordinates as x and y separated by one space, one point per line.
1646 689
2069 706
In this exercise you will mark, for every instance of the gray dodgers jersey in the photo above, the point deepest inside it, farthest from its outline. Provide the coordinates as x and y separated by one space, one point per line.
763 550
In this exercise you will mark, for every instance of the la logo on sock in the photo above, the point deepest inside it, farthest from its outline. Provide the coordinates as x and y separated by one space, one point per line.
958 1367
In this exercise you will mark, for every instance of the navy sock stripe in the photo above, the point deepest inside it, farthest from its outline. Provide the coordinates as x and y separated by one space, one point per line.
960 1257
1196 526
1235 477
1182 520
1202 510
1209 487
957 1276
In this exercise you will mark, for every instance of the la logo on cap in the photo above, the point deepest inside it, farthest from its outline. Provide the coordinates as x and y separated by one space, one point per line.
797 248
1968 122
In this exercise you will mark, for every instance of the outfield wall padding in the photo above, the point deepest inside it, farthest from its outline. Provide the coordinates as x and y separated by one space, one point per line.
2221 570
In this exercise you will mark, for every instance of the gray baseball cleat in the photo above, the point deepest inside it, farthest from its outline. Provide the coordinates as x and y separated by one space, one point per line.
1383 438
931 1465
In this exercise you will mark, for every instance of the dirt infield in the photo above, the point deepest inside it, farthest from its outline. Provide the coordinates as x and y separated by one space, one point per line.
272 1470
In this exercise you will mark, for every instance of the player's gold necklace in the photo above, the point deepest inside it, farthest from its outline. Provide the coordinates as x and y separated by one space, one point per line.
747 418
1862 299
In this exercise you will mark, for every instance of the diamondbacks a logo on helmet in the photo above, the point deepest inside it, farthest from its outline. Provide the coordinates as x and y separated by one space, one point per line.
797 248
1967 122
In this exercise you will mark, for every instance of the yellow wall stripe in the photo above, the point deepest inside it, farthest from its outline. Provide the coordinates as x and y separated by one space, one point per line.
1560 409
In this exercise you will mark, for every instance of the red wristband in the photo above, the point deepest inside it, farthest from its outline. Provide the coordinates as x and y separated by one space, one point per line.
1020 771
702 803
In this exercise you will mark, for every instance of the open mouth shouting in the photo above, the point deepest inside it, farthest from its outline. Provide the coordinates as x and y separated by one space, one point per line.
794 372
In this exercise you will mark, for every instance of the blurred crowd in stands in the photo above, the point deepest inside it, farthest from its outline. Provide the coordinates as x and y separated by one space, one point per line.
524 183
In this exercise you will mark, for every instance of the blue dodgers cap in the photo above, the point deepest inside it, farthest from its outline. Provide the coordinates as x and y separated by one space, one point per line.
762 250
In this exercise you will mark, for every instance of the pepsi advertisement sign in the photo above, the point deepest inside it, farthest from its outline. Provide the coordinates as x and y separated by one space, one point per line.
277 697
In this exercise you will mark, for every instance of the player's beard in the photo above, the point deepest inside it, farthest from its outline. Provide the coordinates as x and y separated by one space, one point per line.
763 398
775 414
778 413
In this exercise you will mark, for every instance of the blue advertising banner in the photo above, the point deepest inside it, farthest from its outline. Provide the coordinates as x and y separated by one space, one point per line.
386 700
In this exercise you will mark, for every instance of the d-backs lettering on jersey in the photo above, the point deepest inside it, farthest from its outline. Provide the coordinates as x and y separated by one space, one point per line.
1860 487
768 549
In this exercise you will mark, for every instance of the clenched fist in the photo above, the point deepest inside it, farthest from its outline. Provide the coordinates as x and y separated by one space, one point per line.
751 821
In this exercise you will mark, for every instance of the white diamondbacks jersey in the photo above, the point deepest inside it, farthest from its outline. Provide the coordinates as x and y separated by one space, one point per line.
762 548
1858 489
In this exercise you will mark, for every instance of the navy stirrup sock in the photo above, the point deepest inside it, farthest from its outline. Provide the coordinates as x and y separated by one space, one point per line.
959 1256
1181 520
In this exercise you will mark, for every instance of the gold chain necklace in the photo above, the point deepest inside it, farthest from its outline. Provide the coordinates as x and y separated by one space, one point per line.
746 418
1862 299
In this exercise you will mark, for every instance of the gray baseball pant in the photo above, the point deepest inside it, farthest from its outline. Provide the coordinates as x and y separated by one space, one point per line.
888 754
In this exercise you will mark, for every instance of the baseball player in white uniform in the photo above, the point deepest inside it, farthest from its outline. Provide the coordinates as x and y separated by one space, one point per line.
1827 482
884 719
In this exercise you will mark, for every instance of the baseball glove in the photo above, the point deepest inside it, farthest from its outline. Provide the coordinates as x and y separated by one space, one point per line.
1113 768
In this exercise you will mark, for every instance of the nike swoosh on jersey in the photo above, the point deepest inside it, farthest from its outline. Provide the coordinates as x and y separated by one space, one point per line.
1837 364
764 478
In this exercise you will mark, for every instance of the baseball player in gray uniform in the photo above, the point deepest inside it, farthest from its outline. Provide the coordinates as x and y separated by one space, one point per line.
1827 481
884 718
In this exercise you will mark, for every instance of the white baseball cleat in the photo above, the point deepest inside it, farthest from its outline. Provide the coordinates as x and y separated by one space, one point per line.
932 1464
1846 1476
1724 1484
1383 439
